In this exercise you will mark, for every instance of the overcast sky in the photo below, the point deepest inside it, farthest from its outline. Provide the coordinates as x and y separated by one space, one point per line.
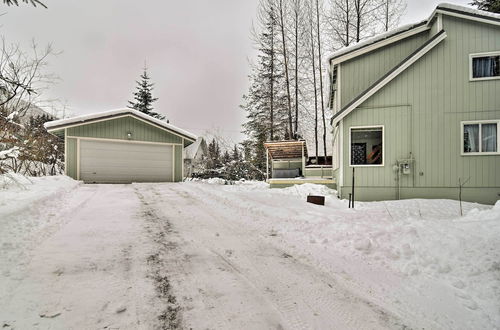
197 52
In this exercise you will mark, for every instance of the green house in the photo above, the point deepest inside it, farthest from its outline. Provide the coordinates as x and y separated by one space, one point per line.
417 110
122 146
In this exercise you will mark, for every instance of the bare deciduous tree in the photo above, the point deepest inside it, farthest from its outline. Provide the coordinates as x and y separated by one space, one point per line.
390 12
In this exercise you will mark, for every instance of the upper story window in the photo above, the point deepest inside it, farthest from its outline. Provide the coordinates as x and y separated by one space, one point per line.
485 66
480 137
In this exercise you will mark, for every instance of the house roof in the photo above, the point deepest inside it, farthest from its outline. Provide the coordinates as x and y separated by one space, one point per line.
376 39
286 149
191 150
411 29
85 119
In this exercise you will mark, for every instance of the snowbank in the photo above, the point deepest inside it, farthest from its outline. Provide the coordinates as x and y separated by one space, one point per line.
420 254
19 193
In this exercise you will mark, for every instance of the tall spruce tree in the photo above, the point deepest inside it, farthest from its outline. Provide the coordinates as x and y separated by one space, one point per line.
143 97
488 5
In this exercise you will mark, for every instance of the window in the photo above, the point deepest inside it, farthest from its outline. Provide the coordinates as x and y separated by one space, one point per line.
367 146
485 66
480 137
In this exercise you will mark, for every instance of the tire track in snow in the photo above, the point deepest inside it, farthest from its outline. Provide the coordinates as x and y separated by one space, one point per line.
305 297
241 204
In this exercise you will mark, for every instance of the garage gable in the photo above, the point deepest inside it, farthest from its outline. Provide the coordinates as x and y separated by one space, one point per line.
120 128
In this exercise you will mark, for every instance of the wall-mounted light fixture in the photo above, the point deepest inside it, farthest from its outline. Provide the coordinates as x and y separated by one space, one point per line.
129 135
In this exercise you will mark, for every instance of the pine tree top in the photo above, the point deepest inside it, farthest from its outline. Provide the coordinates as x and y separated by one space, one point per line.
143 96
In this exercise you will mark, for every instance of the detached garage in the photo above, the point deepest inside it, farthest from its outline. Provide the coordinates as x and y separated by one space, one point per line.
122 146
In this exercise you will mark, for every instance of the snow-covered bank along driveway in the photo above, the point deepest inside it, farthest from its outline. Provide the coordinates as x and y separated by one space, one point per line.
198 255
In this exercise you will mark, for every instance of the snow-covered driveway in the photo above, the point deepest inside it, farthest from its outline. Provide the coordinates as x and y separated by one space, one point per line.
209 256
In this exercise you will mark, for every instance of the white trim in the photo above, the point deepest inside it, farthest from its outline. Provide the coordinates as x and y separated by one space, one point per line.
267 165
287 160
123 141
439 22
480 123
379 44
92 121
173 164
383 145
182 160
464 16
472 56
341 132
65 151
390 77
78 159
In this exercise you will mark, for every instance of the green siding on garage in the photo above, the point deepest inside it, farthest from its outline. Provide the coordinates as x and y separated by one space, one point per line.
71 160
119 127
178 163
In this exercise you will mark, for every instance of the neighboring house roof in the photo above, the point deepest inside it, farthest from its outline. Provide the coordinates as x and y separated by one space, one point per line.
286 149
192 150
32 111
75 121
406 31
389 76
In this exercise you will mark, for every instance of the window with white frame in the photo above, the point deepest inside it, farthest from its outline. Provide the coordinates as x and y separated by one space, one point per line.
480 137
367 146
485 66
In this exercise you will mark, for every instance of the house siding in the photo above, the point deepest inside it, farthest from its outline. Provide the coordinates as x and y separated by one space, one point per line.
368 68
422 110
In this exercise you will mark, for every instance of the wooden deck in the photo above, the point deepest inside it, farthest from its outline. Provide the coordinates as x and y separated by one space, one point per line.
283 183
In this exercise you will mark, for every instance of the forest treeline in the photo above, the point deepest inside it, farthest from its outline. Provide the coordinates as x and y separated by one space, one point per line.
288 91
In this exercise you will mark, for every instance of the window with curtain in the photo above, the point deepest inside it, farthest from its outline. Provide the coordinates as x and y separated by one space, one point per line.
480 137
485 66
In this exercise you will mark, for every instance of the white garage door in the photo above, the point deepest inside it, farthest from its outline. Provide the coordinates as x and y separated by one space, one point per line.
117 162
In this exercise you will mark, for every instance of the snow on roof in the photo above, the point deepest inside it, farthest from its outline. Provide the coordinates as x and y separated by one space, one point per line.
408 27
191 150
113 113
467 10
375 39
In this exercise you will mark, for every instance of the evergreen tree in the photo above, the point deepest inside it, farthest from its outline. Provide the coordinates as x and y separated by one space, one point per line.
213 157
226 158
236 156
16 2
488 5
143 98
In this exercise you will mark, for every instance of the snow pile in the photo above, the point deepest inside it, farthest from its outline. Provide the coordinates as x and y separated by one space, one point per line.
419 253
9 153
19 193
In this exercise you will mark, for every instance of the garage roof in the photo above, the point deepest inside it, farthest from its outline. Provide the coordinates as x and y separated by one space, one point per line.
56 125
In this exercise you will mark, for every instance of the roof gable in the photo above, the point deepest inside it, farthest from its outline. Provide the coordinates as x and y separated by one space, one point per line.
406 31
389 76
56 125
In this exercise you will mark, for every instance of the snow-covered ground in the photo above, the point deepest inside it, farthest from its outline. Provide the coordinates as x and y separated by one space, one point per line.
209 255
